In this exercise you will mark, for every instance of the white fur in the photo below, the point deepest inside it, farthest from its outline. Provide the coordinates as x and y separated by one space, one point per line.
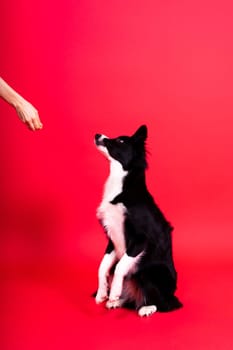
114 304
103 273
113 185
112 215
125 266
147 310
103 149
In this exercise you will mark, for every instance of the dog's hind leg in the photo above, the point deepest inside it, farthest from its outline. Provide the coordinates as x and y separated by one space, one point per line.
147 310
157 286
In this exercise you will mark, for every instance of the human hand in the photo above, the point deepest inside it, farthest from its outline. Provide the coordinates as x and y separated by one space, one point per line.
28 114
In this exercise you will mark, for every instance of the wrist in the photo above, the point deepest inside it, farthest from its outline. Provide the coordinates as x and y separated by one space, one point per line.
16 101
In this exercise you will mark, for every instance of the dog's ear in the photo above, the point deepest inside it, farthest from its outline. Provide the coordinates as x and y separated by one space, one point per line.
140 134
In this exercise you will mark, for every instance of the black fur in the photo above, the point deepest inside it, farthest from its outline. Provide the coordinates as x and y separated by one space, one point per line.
145 227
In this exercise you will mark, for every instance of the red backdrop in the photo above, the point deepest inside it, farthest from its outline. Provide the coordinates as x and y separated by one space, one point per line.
102 66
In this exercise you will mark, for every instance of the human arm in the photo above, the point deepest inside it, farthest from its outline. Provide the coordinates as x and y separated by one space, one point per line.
25 110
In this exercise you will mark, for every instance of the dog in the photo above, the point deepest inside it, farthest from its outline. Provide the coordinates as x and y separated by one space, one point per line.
137 269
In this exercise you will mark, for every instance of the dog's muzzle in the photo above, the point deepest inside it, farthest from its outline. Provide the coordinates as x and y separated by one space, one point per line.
100 140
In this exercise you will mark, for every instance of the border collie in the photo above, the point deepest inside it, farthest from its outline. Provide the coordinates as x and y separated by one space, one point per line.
137 269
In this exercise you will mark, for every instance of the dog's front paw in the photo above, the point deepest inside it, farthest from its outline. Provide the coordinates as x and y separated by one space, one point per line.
100 298
114 304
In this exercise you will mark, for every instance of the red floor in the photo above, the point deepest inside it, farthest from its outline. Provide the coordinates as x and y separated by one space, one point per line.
49 307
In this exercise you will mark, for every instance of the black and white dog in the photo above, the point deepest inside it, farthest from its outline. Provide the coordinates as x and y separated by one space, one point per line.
137 269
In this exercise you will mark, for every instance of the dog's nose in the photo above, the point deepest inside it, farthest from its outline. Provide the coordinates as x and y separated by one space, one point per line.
97 137
99 140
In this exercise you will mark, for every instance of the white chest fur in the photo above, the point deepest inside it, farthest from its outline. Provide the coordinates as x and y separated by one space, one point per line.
113 215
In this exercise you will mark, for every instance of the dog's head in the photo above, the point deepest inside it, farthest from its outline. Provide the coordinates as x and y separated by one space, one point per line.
127 150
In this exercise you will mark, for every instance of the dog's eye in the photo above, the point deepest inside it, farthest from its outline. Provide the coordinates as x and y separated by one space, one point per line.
120 141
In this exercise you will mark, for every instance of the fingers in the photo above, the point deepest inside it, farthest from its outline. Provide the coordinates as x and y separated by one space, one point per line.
34 124
29 115
30 125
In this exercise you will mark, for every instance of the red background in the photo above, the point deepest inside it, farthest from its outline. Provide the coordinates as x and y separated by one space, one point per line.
103 66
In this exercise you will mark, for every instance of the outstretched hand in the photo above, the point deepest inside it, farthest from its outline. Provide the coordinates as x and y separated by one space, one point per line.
28 115
25 110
